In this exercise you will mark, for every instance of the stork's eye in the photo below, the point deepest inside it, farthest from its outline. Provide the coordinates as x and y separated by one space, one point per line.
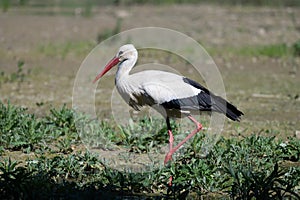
120 53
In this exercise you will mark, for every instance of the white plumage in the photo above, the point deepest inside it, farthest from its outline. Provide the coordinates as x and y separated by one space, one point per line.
159 85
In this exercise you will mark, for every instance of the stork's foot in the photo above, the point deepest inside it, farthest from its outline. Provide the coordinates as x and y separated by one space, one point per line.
169 154
170 181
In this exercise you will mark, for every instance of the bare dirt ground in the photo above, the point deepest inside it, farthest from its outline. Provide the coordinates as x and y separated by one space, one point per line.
265 89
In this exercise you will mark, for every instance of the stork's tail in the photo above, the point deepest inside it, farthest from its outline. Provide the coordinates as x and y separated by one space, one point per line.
227 108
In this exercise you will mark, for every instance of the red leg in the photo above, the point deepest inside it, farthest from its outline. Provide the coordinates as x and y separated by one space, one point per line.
171 139
171 149
169 154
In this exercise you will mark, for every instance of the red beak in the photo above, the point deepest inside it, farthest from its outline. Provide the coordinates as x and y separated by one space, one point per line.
109 65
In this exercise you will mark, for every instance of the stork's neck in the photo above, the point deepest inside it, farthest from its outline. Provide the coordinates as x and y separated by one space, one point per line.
124 68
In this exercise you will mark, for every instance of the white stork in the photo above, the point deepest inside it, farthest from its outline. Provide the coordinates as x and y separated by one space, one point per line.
170 94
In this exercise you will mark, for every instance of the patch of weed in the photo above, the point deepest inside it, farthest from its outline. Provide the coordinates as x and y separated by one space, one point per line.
296 48
145 135
5 5
17 76
19 130
105 34
65 49
272 51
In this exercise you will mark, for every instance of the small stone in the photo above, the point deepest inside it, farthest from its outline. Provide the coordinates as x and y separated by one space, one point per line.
297 134
283 144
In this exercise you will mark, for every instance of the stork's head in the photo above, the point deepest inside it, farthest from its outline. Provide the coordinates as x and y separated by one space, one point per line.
126 52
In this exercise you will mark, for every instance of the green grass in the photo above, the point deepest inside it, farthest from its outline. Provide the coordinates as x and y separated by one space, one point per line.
271 50
64 49
17 76
78 3
50 162
105 34
81 48
86 7
296 48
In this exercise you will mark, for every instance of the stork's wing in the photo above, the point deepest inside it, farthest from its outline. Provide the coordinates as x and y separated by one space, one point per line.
183 94
176 92
166 87
157 87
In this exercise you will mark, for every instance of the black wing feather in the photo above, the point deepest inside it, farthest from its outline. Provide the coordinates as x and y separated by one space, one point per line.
140 100
204 101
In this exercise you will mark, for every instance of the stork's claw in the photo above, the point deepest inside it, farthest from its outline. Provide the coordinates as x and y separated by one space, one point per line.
170 181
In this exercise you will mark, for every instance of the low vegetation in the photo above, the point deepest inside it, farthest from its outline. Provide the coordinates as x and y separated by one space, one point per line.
64 49
107 33
272 50
89 4
16 76
43 157
296 48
